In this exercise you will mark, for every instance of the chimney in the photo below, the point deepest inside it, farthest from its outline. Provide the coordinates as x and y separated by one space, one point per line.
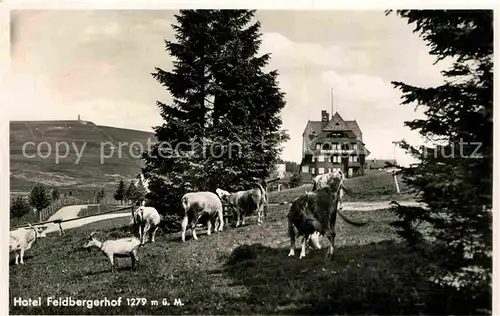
325 118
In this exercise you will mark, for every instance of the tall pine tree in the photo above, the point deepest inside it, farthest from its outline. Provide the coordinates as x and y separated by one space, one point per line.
455 172
222 128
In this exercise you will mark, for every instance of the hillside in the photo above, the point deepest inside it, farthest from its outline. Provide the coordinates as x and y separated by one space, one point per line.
83 139
242 270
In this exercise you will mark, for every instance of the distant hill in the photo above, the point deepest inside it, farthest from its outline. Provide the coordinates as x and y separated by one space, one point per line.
89 172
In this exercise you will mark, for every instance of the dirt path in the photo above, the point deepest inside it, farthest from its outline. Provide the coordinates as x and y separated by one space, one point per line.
69 212
72 211
371 206
84 221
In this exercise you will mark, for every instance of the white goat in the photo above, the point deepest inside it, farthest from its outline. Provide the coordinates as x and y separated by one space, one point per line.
147 218
123 247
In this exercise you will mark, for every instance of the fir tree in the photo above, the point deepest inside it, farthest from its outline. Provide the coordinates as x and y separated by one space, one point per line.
19 207
39 198
455 171
120 192
225 108
55 194
131 193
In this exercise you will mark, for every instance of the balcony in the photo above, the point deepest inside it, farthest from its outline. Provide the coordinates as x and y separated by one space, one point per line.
334 151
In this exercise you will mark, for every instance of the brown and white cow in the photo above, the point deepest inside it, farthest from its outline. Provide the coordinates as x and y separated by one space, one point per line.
198 204
246 202
22 239
314 214
323 181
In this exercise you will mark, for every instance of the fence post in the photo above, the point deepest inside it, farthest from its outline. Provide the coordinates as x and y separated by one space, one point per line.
396 182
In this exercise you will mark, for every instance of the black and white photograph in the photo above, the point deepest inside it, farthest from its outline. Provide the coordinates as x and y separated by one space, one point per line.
170 160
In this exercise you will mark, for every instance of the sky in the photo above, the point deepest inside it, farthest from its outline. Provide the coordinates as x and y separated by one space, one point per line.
98 64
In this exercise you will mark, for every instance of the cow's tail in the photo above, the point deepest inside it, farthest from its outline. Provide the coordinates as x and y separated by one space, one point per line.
264 198
350 221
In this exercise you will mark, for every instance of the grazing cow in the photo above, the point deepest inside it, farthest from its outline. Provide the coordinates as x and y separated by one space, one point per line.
198 204
315 213
246 202
323 181
22 239
148 219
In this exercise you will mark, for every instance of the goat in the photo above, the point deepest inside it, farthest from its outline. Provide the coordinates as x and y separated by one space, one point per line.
146 217
122 247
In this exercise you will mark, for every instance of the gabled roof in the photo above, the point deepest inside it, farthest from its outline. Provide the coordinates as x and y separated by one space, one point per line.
353 125
337 123
317 126
314 126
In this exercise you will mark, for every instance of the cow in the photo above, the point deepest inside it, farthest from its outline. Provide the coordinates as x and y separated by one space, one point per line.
246 202
147 218
22 239
314 214
197 205
323 180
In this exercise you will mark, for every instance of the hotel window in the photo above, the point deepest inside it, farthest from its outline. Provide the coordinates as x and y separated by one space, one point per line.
321 158
354 146
305 169
354 158
327 146
321 170
336 146
335 159
318 146
313 171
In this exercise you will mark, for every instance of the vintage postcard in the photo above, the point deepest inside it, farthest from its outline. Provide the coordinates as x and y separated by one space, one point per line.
211 160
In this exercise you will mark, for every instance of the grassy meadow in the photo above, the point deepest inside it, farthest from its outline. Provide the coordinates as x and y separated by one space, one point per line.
374 186
242 270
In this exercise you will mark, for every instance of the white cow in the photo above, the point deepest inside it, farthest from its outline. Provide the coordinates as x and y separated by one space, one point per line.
147 218
22 239
196 205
